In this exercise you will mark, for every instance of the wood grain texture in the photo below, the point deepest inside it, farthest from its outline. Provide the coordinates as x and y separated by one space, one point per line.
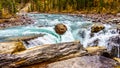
40 54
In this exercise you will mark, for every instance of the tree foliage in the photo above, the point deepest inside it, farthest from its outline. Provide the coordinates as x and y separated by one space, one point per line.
12 6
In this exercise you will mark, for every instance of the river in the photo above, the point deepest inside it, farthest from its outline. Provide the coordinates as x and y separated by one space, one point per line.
79 28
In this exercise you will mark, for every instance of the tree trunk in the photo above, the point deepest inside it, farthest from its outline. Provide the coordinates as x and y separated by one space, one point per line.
40 54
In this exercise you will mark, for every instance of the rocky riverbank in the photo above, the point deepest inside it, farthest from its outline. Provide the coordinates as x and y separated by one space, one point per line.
103 18
16 21
99 18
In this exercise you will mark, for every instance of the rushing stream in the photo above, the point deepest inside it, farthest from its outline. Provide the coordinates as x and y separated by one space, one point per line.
78 29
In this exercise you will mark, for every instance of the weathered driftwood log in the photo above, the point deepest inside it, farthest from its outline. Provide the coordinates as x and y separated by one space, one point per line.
91 51
40 54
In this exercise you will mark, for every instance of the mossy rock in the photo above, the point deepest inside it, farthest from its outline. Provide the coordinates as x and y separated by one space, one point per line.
11 47
97 27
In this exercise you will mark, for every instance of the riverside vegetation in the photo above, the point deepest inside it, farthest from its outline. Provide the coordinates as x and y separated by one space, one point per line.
10 7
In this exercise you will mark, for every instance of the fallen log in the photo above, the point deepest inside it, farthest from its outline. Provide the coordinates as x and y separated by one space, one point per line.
40 54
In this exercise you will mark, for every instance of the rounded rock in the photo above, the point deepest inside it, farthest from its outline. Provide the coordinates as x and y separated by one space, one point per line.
60 29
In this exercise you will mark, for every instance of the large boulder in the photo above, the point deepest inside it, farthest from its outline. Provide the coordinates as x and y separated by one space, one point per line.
60 29
97 27
85 62
114 46
11 47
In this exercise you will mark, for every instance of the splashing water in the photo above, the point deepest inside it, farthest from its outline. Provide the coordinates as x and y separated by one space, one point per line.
78 29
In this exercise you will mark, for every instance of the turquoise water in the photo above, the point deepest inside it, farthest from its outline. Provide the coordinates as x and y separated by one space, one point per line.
45 25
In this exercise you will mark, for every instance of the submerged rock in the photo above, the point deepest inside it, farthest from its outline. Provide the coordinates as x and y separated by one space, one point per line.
115 21
24 38
11 47
60 28
85 62
97 27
